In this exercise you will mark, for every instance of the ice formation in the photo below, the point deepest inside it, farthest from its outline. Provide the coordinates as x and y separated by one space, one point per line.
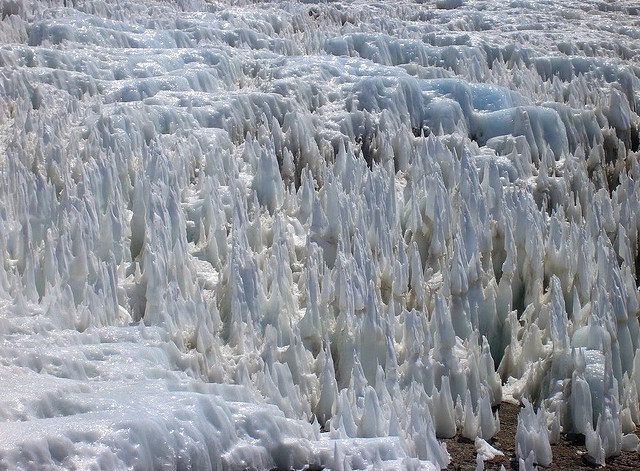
532 436
285 234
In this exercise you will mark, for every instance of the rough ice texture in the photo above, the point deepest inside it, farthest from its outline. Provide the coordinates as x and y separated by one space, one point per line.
532 436
290 234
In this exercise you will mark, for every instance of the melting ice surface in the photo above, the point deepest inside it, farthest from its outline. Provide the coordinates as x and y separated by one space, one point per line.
293 234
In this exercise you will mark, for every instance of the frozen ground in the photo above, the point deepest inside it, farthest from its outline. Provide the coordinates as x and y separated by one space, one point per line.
286 234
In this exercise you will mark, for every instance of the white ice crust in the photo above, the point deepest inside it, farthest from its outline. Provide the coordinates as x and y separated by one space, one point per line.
290 234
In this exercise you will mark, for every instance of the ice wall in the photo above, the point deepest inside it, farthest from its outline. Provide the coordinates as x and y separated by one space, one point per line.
285 234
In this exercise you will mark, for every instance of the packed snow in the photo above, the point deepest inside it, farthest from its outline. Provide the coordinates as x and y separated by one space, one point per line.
291 234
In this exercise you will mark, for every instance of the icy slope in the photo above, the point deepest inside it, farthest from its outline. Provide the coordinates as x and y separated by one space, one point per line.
284 234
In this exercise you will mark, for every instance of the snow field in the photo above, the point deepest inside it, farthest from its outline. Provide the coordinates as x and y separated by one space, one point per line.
273 235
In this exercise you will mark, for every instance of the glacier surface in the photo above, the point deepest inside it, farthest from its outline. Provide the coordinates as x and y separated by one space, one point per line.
279 234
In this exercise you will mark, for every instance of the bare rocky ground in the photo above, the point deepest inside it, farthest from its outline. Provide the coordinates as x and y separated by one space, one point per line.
567 455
